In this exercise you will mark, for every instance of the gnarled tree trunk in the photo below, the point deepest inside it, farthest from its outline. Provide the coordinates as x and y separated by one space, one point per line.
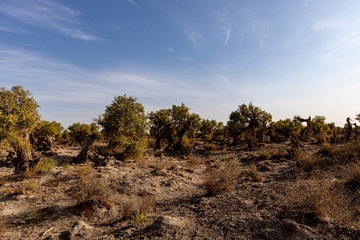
22 148
83 155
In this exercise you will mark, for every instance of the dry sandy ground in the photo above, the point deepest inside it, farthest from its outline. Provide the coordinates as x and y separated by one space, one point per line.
161 198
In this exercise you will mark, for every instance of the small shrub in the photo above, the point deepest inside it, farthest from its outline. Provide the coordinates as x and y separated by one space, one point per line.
84 171
140 218
31 186
210 146
274 154
158 170
45 165
352 178
92 191
320 198
138 208
252 174
349 152
138 149
264 155
221 179
327 149
306 161
280 154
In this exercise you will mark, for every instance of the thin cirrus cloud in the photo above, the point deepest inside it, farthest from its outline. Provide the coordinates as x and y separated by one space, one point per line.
228 32
194 36
47 14
341 32
132 2
49 81
12 29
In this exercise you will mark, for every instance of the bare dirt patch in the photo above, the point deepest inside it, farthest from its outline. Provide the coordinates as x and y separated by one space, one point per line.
167 197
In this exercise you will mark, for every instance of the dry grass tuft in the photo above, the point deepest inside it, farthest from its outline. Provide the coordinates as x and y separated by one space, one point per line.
138 208
251 174
328 149
194 160
306 161
349 152
221 179
320 199
84 171
352 177
31 186
92 191
46 164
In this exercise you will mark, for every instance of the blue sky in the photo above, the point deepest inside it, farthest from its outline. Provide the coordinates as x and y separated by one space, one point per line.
287 57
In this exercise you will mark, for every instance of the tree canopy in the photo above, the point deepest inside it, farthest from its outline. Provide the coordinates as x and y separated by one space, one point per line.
124 124
18 118
176 125
247 122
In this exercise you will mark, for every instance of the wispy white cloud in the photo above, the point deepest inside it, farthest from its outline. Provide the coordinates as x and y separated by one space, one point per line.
335 23
170 49
47 14
194 36
120 27
341 33
187 59
11 29
228 32
78 34
132 2
70 87
222 78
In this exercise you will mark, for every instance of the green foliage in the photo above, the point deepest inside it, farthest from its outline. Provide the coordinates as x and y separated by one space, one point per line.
32 186
65 136
45 165
321 128
137 149
160 125
47 129
281 130
140 217
45 133
124 124
18 112
177 125
18 118
207 129
297 126
248 122
80 132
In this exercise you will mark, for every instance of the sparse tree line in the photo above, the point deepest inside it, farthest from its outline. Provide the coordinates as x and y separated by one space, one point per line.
127 132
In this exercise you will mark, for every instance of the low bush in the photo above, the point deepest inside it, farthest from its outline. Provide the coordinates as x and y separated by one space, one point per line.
92 191
306 161
221 179
349 152
319 199
352 177
138 208
251 174
328 149
31 186
45 164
